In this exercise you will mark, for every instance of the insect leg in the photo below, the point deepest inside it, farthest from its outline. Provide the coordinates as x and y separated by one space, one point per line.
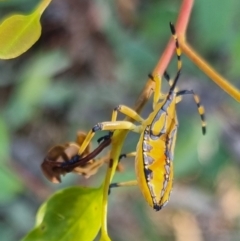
126 111
83 160
111 126
128 183
157 93
130 154
122 184
201 110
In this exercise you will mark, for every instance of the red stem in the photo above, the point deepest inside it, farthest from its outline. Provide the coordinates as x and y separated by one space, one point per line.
181 26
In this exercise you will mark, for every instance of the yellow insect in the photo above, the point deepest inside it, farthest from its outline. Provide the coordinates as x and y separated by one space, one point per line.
155 149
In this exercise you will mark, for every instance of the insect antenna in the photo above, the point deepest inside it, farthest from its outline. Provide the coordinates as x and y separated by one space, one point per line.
179 60
167 77
178 49
200 107
175 82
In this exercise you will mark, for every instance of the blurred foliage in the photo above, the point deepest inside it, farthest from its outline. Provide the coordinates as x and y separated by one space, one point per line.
93 55
37 79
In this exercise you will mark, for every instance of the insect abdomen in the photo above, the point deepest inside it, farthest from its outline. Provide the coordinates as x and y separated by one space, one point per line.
154 166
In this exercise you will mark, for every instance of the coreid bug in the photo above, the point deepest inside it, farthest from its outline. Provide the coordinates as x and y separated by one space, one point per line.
155 149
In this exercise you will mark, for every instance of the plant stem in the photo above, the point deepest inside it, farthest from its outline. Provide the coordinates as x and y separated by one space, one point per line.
210 72
42 6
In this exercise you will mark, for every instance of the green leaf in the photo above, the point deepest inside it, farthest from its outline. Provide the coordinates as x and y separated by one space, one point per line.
19 32
71 214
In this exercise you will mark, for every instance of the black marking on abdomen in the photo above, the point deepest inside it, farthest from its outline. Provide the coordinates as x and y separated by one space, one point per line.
148 174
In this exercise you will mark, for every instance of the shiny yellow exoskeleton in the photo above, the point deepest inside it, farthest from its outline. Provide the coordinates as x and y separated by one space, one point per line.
155 150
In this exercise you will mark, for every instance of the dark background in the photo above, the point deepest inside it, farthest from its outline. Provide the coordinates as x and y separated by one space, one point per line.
94 55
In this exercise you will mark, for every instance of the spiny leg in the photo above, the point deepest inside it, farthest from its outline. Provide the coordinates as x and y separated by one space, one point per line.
199 106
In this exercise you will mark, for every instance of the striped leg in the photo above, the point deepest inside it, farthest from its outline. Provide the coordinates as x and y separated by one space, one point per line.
199 106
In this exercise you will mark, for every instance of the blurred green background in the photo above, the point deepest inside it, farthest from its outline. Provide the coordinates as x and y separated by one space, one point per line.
94 55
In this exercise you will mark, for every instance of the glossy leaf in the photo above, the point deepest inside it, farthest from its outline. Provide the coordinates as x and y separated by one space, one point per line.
19 32
72 214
